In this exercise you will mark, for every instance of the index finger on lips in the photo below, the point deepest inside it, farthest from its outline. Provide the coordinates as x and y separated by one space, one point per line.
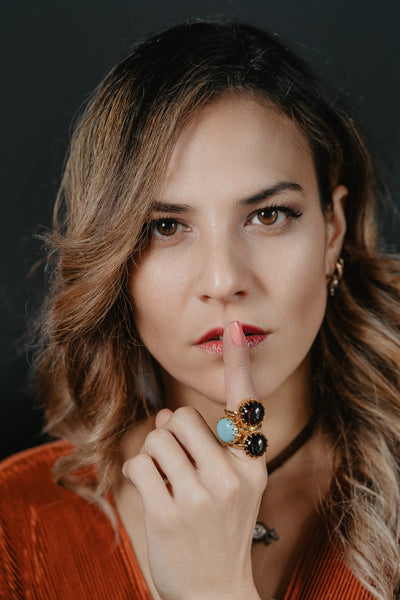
238 382
242 431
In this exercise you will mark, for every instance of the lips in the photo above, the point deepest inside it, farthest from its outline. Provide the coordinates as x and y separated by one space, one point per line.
211 341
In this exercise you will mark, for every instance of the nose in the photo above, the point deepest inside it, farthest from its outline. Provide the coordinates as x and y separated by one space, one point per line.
223 271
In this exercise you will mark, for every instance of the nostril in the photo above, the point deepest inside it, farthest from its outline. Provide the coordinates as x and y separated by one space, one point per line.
223 273
223 297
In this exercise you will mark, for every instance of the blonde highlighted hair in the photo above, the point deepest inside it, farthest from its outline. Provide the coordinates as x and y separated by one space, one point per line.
94 376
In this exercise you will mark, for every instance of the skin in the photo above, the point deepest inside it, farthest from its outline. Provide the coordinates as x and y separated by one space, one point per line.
223 264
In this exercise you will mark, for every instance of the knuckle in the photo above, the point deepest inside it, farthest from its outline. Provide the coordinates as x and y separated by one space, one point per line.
136 465
185 413
156 436
165 517
264 475
200 498
241 362
230 485
259 481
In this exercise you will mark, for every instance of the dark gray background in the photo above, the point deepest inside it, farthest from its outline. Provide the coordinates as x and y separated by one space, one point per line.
54 53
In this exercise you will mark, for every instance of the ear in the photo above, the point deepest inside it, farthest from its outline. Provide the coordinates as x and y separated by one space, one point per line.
335 228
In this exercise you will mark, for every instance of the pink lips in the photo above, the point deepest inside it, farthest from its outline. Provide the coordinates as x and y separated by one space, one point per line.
209 343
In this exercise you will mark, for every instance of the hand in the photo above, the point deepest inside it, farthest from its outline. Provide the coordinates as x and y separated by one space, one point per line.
200 499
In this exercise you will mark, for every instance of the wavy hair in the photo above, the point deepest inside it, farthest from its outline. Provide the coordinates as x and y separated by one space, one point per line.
94 376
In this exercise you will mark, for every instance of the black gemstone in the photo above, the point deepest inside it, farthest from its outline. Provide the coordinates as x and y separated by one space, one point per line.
252 413
255 444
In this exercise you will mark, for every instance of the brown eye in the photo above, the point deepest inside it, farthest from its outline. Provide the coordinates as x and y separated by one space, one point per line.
268 217
165 227
274 215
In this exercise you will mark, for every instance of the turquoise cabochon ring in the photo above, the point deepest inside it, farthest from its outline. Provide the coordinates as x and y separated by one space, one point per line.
228 430
241 428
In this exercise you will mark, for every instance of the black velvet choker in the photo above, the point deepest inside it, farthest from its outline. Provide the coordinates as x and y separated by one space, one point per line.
262 533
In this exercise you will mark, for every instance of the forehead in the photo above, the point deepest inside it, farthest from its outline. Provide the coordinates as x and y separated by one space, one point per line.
233 140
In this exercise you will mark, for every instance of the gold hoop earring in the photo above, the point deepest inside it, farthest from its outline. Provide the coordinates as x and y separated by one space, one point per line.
336 276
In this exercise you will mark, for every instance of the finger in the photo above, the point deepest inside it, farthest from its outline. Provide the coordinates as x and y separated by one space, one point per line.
171 459
239 386
238 382
197 439
163 416
144 475
191 432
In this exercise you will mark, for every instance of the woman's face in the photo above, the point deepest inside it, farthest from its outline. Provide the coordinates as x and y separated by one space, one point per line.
238 234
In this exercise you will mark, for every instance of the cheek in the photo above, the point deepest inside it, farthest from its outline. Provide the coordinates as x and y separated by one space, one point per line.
153 288
292 271
303 286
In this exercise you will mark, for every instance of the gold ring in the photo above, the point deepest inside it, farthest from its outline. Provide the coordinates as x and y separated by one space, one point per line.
241 428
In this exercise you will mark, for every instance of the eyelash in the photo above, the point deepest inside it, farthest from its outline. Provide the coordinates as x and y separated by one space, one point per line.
292 213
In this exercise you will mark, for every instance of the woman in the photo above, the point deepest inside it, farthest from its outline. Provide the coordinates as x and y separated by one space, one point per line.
214 254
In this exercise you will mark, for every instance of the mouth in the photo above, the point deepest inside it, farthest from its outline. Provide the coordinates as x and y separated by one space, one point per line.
211 341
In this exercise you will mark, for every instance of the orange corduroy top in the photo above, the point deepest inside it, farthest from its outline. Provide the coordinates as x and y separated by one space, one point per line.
56 545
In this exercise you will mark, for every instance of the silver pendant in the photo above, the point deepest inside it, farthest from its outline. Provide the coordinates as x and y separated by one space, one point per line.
262 533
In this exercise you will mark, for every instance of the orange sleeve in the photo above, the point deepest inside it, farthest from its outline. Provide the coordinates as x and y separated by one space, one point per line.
53 543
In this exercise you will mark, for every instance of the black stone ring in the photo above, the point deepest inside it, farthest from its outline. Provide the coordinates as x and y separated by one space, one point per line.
241 428
250 412
255 444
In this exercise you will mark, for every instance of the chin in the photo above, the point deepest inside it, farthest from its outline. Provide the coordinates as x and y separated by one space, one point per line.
216 393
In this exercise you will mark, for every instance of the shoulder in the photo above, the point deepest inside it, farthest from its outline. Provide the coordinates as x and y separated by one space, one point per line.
53 542
44 454
30 498
41 524
28 474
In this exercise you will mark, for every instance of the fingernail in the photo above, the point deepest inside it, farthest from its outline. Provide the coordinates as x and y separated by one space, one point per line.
237 334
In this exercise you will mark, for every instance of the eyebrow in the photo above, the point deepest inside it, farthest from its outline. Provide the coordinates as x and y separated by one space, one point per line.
283 186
